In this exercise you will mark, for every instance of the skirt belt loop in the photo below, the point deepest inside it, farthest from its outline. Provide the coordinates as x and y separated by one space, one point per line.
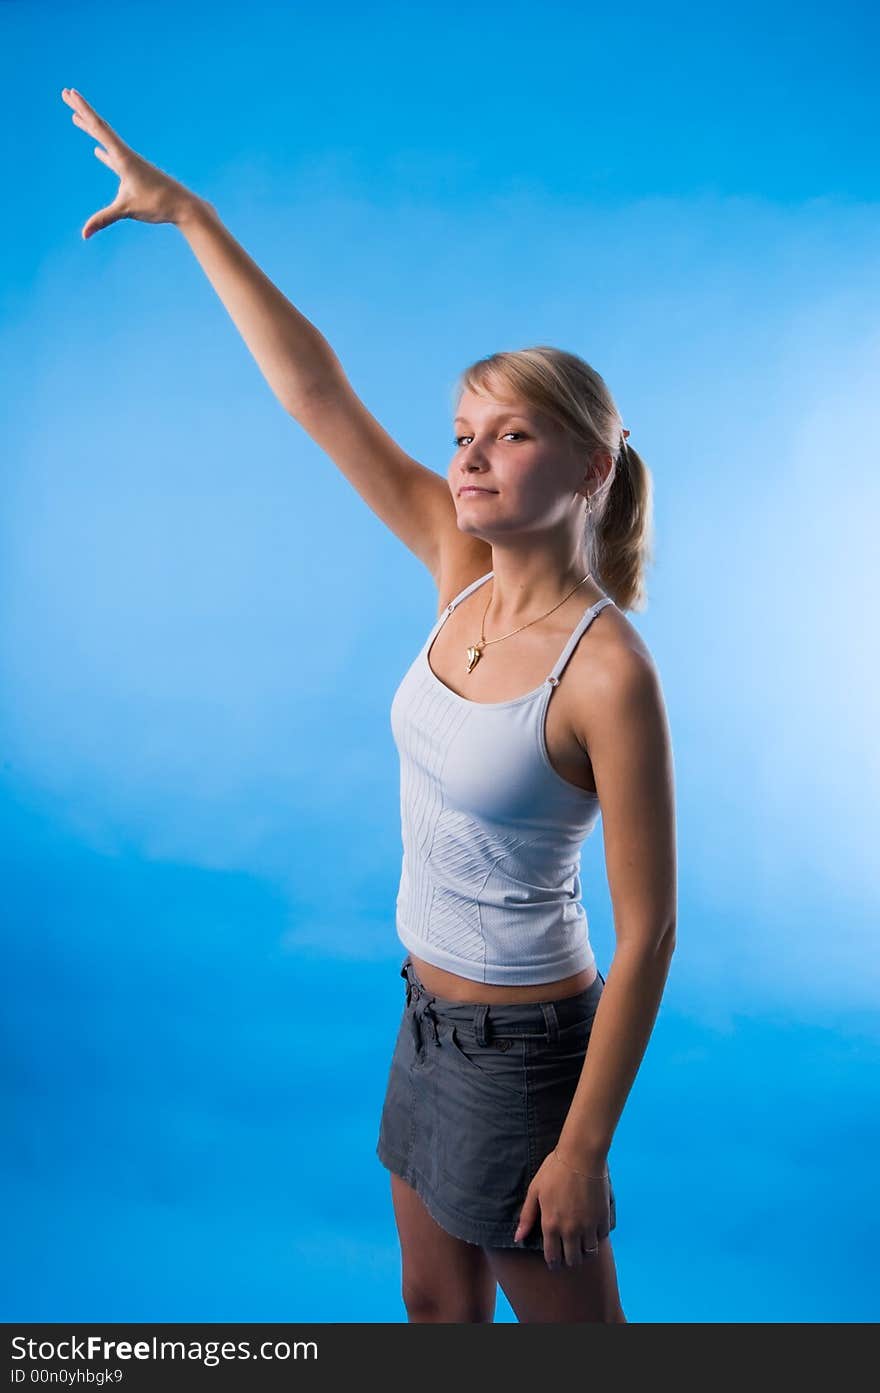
480 1015
551 1021
432 1020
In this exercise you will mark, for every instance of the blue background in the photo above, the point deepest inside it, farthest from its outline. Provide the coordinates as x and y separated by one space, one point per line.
202 626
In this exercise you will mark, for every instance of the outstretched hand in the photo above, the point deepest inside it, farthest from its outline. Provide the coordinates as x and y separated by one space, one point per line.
146 193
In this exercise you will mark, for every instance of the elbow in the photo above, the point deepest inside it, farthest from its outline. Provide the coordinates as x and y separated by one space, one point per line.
649 940
666 939
652 939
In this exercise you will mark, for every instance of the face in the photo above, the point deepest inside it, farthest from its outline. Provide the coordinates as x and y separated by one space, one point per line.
528 473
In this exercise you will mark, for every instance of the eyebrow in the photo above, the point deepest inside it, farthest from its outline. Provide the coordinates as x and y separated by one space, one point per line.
499 416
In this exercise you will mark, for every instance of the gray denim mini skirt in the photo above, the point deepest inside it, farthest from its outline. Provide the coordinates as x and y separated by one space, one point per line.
475 1101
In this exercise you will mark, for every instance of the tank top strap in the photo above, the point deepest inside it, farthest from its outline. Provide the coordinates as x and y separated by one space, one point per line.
447 609
582 625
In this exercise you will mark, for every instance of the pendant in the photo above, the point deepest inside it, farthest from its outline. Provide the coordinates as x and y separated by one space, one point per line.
474 655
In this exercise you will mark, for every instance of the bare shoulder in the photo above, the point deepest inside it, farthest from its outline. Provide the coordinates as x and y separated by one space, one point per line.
613 679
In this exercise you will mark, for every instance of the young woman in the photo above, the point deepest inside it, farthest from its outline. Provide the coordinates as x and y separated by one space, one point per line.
532 706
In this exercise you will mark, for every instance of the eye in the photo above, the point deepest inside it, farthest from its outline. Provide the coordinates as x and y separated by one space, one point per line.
457 439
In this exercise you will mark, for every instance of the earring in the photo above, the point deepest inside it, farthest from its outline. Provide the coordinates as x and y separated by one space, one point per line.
589 505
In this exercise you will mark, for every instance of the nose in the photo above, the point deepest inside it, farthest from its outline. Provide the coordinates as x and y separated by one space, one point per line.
468 454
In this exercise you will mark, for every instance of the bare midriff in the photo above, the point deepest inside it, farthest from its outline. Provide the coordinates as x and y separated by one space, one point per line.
452 987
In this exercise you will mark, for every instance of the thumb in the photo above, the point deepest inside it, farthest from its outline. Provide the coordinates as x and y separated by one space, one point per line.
528 1215
103 218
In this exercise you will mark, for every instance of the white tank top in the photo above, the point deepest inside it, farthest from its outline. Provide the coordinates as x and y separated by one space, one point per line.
490 883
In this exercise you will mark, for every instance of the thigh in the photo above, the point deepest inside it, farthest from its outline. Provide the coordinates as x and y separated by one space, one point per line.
444 1278
565 1296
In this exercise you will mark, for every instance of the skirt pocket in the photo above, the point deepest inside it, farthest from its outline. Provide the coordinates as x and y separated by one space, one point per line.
497 1066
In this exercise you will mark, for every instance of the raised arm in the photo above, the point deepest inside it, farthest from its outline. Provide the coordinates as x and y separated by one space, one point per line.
294 357
309 381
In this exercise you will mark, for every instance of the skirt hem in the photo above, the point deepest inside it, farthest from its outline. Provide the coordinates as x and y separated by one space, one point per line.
454 1225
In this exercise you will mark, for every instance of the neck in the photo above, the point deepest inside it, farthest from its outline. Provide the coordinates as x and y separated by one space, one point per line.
527 583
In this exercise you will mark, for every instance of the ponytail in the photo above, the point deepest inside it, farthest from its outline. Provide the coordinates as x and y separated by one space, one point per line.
623 532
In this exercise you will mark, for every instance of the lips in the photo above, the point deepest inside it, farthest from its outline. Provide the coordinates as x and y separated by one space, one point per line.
473 488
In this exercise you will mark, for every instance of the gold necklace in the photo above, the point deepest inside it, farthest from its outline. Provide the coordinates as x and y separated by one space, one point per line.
475 650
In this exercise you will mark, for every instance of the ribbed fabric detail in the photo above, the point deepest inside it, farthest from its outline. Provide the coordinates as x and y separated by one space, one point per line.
490 882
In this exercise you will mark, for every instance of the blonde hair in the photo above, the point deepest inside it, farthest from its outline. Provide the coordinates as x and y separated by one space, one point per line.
620 533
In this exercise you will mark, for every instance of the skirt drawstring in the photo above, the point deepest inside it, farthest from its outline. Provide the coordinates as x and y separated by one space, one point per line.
421 1013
